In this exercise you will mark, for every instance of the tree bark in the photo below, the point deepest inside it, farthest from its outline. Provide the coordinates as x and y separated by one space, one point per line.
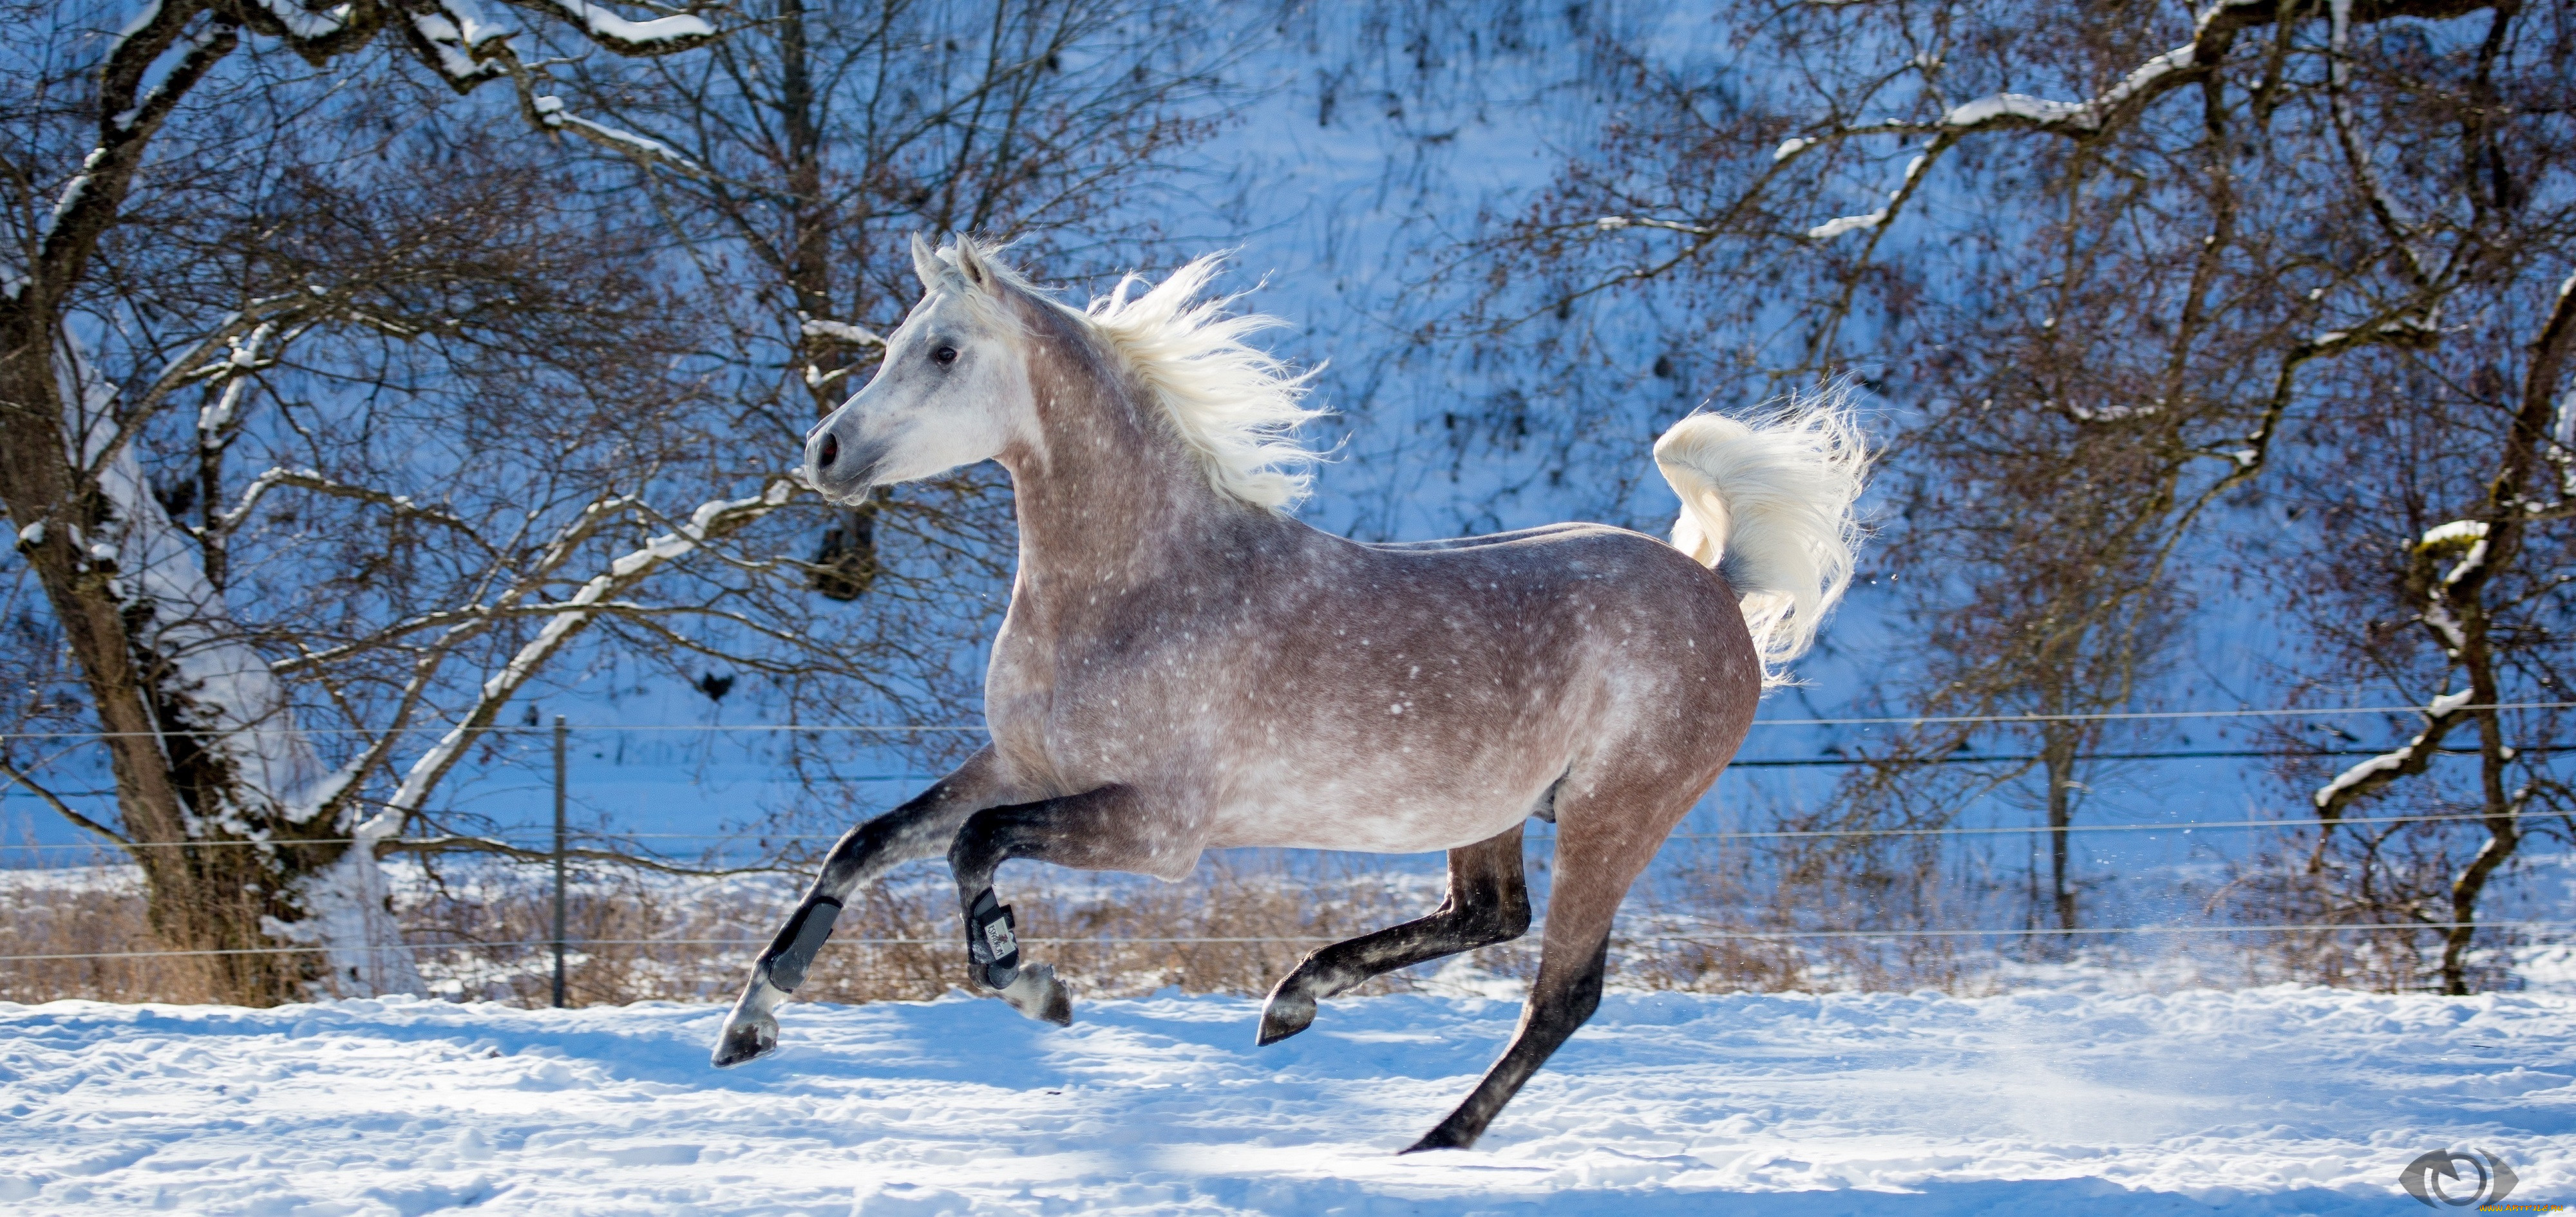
2057 752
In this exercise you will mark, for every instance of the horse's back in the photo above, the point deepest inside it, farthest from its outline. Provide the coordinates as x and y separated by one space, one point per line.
1446 686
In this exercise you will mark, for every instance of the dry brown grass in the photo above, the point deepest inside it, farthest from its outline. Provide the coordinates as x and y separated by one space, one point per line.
86 911
642 937
1235 926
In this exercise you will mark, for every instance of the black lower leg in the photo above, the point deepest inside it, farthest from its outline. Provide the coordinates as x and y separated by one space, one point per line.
1554 1013
1093 830
992 941
860 856
918 829
1487 903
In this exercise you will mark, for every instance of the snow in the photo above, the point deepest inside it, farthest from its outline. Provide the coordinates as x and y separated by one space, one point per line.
2469 533
2281 1100
840 331
2357 774
2011 105
1842 224
301 22
2077 115
218 683
651 149
2443 706
603 23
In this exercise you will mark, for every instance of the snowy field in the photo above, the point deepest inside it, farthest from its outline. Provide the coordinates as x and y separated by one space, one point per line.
2283 1100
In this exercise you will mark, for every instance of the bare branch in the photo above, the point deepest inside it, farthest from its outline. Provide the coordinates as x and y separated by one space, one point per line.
65 810
430 846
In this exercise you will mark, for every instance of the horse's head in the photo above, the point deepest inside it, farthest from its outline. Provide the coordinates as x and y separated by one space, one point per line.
952 390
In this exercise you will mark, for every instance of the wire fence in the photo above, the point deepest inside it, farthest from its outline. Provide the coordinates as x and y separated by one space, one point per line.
1704 936
559 848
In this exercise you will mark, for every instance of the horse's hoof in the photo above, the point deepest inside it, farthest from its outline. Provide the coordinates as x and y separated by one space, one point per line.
746 1041
1036 993
1282 1017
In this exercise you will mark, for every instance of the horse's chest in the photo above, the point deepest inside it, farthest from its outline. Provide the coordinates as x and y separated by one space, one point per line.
1071 702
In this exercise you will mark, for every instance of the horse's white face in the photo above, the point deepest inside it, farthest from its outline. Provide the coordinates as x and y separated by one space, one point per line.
953 390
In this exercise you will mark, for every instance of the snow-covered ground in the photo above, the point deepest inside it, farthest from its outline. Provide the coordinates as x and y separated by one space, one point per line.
2284 1100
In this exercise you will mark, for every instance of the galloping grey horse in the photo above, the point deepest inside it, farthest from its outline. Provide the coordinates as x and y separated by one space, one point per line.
1186 667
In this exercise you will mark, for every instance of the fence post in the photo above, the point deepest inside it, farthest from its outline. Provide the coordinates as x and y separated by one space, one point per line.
560 731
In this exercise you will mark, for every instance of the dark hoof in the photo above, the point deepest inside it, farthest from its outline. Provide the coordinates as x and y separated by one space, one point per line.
1037 993
746 1041
1443 1137
1282 1017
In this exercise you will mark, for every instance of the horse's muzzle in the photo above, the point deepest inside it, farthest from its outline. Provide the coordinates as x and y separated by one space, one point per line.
843 472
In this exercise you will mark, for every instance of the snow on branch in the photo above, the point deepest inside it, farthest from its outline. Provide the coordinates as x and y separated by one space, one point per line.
2213 34
548 111
2087 117
836 331
456 40
1914 171
304 24
821 329
2444 713
658 36
711 520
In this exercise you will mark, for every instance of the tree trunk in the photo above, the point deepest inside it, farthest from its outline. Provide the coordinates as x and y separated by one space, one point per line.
2057 753
845 562
216 790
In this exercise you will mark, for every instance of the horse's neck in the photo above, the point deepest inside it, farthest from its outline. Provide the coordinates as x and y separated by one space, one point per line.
1111 503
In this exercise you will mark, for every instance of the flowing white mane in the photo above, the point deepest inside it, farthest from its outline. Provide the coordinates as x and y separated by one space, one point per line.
1237 406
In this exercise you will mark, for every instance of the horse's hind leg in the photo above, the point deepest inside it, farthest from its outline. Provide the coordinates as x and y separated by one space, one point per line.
1102 829
1595 863
921 828
1488 902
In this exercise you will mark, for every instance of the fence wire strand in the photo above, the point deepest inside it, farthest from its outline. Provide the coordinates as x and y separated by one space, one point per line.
1919 720
464 844
1723 935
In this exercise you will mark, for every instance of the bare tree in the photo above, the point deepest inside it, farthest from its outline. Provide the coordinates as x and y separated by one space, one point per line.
2114 260
193 199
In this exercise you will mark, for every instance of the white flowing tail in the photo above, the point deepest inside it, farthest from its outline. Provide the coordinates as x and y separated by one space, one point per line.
1768 502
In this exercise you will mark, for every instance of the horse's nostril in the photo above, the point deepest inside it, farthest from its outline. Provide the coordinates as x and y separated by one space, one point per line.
831 450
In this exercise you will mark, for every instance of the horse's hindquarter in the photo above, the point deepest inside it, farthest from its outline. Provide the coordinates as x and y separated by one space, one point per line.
1420 699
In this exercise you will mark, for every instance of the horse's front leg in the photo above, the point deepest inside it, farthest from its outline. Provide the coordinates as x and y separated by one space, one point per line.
1103 829
921 828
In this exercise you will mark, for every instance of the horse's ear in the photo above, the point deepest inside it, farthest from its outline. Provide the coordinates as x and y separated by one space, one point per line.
971 265
925 263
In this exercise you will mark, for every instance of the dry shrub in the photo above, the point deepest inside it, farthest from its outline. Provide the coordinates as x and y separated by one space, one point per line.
87 910
2294 883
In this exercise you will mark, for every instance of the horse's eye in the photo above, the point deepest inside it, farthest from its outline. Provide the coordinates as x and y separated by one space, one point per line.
944 356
